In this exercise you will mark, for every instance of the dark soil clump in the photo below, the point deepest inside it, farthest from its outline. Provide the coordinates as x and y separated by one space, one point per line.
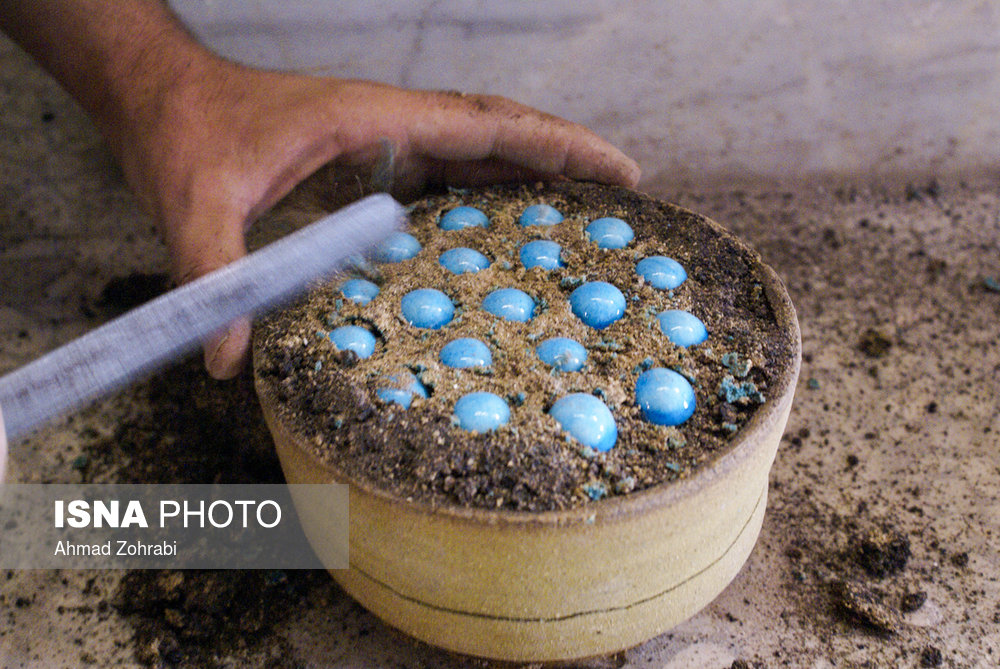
874 344
883 552
931 657
867 605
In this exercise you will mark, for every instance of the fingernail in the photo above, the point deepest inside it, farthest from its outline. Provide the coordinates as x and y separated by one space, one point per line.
226 352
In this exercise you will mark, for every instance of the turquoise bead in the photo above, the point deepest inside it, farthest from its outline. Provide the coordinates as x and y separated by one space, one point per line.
405 386
664 396
682 328
541 253
540 214
361 291
597 304
610 233
466 352
427 308
481 412
661 272
587 419
562 353
398 247
463 217
463 260
353 338
510 304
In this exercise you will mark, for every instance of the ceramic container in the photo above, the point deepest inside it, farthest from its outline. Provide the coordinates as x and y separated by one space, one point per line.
556 585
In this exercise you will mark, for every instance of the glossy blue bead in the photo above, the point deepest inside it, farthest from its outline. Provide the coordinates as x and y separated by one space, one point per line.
682 328
510 304
587 419
541 253
540 214
562 353
661 272
610 233
466 352
462 260
398 247
597 304
353 338
427 308
481 412
463 217
404 387
361 291
664 396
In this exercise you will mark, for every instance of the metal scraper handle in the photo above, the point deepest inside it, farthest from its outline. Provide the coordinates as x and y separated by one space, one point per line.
169 326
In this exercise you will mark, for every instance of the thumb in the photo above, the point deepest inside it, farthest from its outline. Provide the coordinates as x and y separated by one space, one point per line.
201 246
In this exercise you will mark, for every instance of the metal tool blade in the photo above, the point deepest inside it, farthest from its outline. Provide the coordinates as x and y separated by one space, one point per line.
171 325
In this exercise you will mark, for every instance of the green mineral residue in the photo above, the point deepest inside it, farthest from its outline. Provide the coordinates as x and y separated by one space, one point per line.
737 391
736 364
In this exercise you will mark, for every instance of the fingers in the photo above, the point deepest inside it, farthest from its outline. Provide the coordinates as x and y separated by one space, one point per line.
201 246
458 127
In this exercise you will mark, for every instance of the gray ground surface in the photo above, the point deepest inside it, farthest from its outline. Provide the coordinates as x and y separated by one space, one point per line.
894 434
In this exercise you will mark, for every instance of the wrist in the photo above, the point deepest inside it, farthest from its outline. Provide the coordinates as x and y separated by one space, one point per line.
146 119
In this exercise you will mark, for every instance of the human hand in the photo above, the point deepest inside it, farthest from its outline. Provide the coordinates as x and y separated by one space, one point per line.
226 146
208 145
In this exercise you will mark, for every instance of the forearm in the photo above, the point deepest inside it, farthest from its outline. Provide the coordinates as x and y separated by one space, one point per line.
121 60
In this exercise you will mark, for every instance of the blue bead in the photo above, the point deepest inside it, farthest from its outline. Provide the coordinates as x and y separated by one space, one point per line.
463 217
540 214
398 247
541 253
587 419
682 328
511 304
404 387
427 308
664 396
462 260
661 272
466 352
562 353
353 338
481 412
597 304
359 290
610 233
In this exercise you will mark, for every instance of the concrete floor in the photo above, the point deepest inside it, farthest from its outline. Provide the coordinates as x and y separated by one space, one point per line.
773 87
905 438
